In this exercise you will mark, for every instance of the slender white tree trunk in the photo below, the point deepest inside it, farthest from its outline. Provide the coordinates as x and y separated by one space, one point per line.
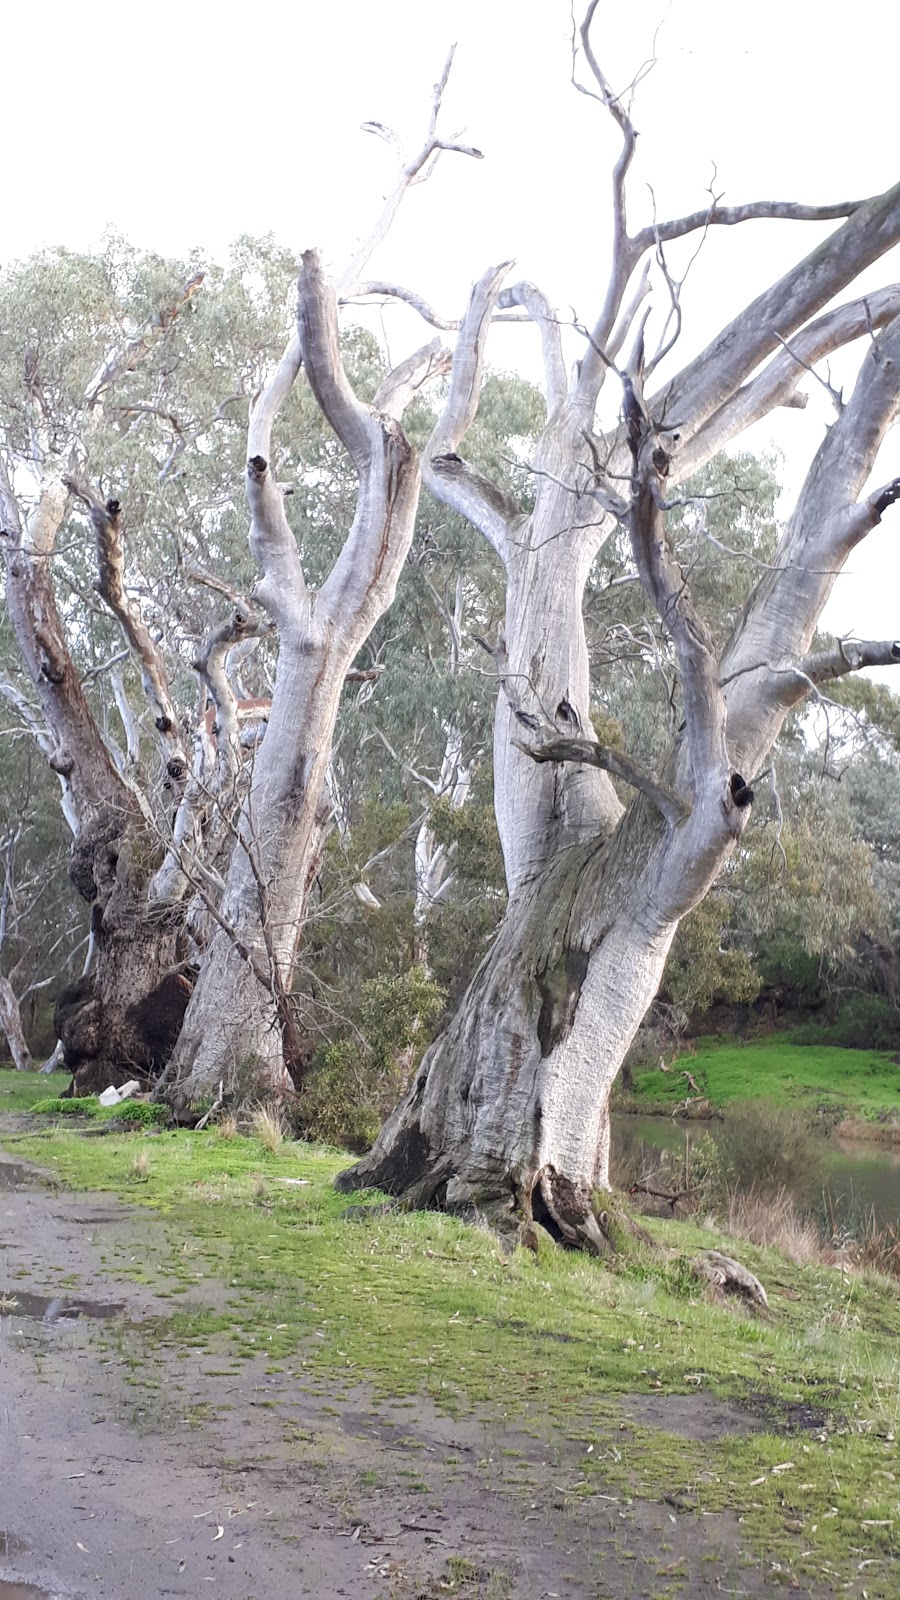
11 1026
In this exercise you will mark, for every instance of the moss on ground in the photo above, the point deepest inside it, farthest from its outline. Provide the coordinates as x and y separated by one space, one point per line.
421 1303
863 1083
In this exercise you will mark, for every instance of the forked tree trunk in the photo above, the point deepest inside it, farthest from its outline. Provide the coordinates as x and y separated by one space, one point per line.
122 1019
238 1029
509 1111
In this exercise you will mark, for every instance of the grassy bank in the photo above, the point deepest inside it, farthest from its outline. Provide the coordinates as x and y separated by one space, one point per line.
864 1084
423 1304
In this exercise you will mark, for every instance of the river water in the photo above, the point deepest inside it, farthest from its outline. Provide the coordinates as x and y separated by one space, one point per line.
860 1178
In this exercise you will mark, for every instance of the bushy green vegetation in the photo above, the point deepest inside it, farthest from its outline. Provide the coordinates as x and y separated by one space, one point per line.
355 1081
422 1303
863 1083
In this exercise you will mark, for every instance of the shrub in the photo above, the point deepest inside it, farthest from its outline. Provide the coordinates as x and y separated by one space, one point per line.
354 1082
775 1220
865 1022
878 1248
338 1104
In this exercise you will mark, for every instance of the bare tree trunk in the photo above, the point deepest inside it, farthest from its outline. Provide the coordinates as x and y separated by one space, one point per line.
55 1062
11 1026
508 1114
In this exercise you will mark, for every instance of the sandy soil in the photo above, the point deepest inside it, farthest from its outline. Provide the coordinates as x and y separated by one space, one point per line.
172 1478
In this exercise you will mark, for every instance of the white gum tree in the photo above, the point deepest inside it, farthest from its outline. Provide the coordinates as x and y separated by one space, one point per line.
213 870
509 1111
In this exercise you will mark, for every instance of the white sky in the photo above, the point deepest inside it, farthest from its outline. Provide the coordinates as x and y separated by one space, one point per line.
184 124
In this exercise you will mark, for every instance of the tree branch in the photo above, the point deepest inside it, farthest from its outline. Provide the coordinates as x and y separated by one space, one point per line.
282 588
78 755
386 464
394 291
542 314
449 478
624 256
716 215
130 355
401 386
702 388
666 587
211 666
776 384
585 752
849 655
413 170
780 617
110 585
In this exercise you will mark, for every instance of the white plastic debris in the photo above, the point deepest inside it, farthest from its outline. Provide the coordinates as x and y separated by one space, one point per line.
111 1096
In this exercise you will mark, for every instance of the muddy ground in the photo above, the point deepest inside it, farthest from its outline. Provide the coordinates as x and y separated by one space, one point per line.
143 1478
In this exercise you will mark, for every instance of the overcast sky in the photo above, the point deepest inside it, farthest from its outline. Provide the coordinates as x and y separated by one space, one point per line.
183 125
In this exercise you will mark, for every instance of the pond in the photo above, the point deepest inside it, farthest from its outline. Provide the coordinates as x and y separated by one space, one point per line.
861 1178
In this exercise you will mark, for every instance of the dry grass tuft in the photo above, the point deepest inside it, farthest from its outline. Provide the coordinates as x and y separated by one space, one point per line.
776 1220
878 1249
227 1126
267 1125
140 1166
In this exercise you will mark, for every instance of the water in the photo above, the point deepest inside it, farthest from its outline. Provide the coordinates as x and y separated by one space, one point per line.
54 1308
860 1178
13 1176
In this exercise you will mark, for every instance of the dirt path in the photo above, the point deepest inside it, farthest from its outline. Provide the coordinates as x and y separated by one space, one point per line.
143 1479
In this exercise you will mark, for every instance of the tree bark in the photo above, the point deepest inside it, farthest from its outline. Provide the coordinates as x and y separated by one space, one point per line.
508 1114
121 1020
11 1026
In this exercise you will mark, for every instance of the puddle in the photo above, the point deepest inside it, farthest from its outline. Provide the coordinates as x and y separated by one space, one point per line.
691 1416
12 1176
54 1308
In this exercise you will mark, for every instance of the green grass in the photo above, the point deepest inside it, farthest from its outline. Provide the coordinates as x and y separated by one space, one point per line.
421 1303
863 1083
20 1090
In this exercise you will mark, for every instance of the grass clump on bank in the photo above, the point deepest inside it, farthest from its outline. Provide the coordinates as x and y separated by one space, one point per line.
863 1083
133 1113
